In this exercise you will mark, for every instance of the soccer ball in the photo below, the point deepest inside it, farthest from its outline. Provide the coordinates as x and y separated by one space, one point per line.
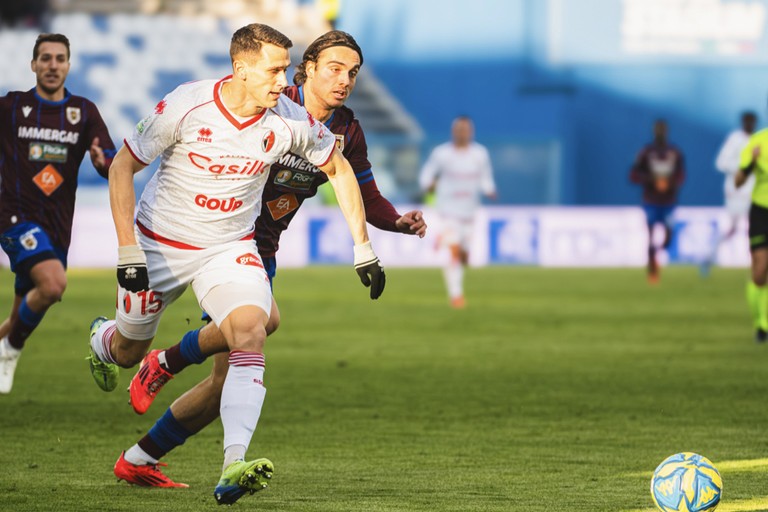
686 482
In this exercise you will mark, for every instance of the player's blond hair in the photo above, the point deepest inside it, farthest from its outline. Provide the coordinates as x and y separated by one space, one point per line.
249 39
325 41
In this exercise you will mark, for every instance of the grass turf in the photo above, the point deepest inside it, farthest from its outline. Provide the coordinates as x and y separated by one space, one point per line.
554 390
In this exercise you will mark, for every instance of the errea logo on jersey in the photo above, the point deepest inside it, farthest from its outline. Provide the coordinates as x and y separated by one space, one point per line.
249 168
204 135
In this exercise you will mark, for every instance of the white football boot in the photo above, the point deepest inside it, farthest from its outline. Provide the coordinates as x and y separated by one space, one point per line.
9 356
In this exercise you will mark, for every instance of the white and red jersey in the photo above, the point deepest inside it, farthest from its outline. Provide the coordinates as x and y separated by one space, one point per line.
727 162
461 175
214 164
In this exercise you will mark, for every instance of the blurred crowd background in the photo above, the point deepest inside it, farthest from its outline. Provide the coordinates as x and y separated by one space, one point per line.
563 92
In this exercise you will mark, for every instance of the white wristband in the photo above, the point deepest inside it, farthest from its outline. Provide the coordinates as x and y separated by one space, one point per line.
364 254
128 254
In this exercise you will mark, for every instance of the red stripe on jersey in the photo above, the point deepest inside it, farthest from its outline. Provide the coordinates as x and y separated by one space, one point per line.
223 109
134 154
173 243
243 358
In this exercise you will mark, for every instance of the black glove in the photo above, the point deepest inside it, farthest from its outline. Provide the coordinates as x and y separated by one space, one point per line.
369 269
132 268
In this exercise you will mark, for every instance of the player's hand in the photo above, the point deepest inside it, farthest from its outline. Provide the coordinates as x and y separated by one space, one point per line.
97 155
412 223
755 152
369 269
132 268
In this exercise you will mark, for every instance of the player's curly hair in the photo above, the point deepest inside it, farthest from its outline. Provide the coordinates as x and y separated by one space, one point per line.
49 38
250 38
327 40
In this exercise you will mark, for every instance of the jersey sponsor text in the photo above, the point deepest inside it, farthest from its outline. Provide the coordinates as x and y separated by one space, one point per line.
48 134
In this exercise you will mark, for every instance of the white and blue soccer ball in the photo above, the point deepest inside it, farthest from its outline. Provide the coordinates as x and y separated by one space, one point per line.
686 482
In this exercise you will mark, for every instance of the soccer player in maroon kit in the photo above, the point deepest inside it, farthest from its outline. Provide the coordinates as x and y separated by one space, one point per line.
660 170
46 132
325 78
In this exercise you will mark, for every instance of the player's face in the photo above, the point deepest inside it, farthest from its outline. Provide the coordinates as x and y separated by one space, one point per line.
265 74
332 78
51 67
462 132
660 131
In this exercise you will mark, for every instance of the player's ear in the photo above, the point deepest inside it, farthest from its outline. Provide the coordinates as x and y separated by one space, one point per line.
238 67
310 69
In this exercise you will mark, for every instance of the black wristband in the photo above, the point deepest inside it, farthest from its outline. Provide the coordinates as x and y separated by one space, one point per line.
746 171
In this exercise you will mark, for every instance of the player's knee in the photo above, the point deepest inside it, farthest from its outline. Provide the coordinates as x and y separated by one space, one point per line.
52 290
249 337
274 322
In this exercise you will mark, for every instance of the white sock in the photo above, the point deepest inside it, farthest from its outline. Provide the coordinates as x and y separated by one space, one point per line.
454 279
101 341
136 456
242 397
233 454
9 349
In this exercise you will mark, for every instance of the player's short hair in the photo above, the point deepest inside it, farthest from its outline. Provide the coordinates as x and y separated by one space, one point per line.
325 41
249 39
748 115
49 38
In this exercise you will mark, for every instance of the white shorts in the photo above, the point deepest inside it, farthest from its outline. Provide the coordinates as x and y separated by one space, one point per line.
456 232
234 266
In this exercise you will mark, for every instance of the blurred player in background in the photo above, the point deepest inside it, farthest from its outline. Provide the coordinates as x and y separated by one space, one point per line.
217 139
660 170
325 79
754 162
737 200
46 132
458 172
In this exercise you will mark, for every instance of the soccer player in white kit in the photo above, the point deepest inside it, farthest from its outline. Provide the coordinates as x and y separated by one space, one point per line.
458 172
737 200
194 226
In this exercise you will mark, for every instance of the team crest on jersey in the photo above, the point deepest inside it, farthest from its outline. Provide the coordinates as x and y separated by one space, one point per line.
340 142
73 115
29 240
282 206
268 141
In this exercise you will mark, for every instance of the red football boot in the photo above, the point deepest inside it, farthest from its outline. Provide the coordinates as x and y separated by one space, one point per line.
147 382
148 475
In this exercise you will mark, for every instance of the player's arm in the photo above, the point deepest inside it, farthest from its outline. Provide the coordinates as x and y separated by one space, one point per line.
382 214
429 173
102 149
679 172
728 156
748 163
347 191
639 173
132 263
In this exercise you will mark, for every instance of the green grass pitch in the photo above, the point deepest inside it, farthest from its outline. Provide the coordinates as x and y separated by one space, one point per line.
555 390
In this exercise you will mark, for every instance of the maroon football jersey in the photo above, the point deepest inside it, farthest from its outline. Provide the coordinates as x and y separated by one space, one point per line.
657 162
42 144
292 180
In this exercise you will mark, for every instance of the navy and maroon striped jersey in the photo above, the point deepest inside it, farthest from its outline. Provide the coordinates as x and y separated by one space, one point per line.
42 144
659 161
292 180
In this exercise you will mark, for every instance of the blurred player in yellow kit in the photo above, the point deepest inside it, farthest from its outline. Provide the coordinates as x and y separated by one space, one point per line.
754 162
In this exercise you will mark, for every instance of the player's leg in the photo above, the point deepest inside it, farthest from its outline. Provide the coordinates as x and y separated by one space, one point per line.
757 289
652 267
159 366
40 283
188 415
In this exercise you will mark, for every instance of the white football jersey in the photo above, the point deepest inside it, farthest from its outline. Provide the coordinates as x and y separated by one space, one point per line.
461 175
727 162
214 165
